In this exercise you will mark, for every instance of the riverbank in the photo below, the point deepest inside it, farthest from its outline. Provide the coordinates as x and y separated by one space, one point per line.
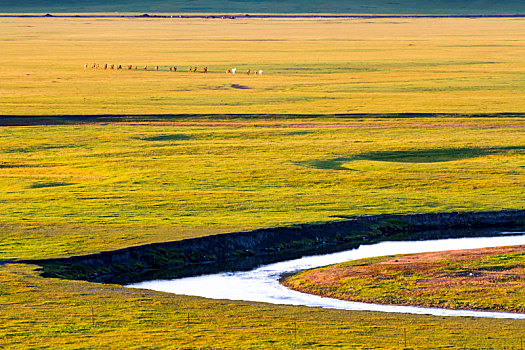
191 256
64 314
488 279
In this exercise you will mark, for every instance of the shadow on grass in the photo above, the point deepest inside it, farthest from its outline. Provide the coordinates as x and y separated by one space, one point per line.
168 137
24 120
50 184
412 156
242 87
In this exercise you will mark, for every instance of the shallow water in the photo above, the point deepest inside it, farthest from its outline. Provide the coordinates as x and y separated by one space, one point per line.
262 284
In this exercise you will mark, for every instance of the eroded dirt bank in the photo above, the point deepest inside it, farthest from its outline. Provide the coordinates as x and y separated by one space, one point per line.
244 250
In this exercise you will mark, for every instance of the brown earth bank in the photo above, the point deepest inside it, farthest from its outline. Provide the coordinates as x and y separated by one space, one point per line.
475 279
245 250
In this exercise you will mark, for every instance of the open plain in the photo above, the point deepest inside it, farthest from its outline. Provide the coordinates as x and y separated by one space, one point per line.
351 117
441 65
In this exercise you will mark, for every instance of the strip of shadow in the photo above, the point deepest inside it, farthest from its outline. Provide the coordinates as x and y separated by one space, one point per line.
27 120
412 156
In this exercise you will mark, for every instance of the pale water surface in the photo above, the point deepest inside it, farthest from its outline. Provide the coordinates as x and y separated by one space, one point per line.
262 284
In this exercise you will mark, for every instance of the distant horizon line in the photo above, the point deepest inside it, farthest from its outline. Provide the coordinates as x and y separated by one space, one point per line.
232 15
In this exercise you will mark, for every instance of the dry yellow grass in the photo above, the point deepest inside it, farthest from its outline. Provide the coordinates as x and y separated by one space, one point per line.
326 66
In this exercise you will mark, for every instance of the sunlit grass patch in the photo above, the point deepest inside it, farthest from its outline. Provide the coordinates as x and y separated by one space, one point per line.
453 65
171 178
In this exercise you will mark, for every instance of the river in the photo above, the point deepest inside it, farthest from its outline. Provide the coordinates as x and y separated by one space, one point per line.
262 284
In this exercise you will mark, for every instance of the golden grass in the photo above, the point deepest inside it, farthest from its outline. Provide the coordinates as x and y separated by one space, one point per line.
74 189
330 66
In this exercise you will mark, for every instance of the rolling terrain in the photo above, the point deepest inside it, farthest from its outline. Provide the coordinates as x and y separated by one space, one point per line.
109 183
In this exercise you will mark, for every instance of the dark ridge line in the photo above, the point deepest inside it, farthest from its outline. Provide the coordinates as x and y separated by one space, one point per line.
261 16
6 117
34 120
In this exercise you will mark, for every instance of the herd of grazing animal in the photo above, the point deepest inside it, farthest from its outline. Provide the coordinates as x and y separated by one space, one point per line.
171 68
234 71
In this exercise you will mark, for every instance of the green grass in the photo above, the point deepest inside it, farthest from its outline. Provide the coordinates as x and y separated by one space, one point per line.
49 314
103 183
73 189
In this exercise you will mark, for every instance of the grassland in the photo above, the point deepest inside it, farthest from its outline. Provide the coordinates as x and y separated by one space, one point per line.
70 189
50 314
112 182
80 188
440 65
478 279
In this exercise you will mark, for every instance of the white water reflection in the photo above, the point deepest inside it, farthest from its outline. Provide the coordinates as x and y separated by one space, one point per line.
262 283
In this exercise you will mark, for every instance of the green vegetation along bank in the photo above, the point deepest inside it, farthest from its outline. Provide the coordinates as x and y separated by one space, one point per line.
86 187
44 313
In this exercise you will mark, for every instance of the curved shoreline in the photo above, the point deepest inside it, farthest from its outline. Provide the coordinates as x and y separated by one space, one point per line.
262 284
430 286
246 250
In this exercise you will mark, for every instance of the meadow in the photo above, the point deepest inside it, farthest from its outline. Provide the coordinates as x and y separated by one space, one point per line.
85 187
82 188
442 65
49 314
170 160
476 279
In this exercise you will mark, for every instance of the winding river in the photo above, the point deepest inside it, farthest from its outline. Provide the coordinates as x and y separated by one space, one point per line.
262 284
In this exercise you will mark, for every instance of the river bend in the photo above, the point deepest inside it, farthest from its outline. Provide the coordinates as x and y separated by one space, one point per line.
262 284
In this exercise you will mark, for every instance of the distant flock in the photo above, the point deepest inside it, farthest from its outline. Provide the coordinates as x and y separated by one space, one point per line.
171 69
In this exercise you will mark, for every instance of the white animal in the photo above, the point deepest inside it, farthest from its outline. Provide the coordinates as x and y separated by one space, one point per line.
85 66
234 70
260 72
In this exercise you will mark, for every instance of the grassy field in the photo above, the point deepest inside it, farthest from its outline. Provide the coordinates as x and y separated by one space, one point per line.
269 6
80 188
478 279
70 189
310 67
51 314
113 182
